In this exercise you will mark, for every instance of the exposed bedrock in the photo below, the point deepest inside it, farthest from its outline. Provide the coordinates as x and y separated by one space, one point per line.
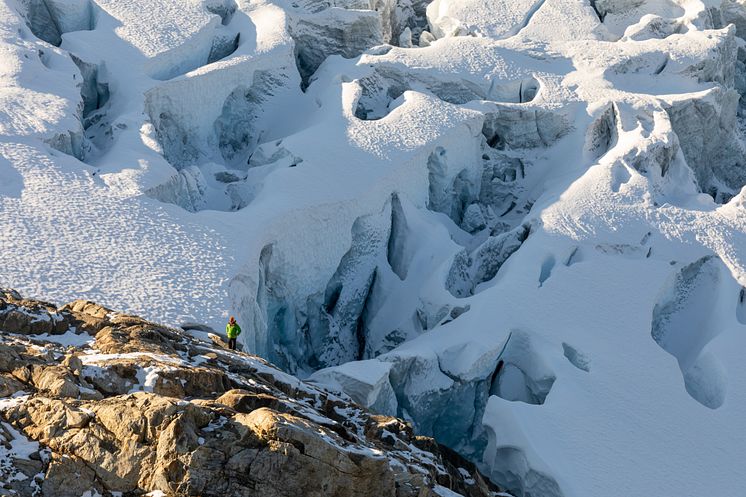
50 19
685 320
138 408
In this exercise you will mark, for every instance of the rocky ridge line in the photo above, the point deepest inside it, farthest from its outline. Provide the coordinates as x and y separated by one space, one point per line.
93 402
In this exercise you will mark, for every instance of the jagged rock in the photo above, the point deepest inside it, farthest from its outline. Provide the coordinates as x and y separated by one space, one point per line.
55 381
146 408
9 385
29 317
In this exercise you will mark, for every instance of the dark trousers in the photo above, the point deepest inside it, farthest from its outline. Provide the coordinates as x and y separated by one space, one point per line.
232 343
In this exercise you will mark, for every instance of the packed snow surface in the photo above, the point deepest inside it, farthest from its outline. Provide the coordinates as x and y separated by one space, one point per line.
519 224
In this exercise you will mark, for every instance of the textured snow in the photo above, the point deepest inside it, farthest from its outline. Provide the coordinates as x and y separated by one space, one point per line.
552 186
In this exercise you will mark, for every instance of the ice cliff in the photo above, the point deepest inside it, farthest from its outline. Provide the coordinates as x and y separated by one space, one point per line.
519 225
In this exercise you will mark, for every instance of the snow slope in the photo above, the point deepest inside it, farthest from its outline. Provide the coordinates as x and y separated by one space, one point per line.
525 219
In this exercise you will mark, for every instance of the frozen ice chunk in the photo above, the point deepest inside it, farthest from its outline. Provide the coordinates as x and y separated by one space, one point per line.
366 382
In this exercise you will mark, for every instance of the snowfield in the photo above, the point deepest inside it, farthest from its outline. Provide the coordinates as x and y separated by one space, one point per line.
519 224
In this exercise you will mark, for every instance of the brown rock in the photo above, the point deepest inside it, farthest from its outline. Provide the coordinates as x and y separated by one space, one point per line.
9 385
69 477
302 462
273 436
56 381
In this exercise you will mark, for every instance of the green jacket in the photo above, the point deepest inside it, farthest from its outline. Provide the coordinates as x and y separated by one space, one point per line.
232 330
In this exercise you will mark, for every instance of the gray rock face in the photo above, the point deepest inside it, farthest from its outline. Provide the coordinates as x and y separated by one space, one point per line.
194 420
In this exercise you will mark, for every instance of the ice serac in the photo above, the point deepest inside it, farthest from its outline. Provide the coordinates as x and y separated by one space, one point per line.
185 189
222 8
338 330
334 31
469 270
684 323
519 127
603 133
94 90
399 247
509 461
525 376
500 19
50 19
706 129
366 382
236 129
443 396
277 328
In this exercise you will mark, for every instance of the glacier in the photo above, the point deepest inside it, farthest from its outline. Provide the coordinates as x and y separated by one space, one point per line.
520 225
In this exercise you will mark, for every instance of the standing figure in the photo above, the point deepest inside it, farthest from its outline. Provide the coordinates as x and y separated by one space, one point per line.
232 330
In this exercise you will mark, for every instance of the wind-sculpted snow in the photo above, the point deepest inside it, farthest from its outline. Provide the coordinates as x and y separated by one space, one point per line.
519 224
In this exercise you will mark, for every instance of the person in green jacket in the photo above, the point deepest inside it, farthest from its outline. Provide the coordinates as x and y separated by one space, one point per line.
232 330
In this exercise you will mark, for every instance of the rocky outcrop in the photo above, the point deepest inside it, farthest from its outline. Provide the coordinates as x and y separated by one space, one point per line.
93 402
